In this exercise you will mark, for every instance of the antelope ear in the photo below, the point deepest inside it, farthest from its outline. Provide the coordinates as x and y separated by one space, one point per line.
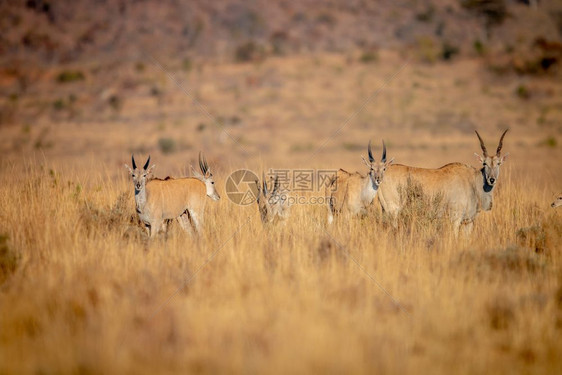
479 158
150 169
390 161
366 162
129 168
503 158
196 173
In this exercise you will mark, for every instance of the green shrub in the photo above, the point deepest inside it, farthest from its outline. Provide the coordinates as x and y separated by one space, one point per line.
369 57
495 11
448 51
326 18
115 102
167 145
349 146
479 47
549 142
186 64
301 147
59 105
70 76
427 50
248 51
279 42
523 92
427 14
64 103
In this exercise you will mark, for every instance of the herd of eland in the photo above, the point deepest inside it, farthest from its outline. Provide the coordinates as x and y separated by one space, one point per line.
463 190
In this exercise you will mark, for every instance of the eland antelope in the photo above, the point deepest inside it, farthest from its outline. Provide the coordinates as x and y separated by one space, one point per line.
464 190
557 202
353 192
182 199
273 206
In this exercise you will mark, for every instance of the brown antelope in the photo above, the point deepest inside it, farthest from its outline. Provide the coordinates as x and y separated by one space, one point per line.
464 190
557 202
353 192
182 199
273 206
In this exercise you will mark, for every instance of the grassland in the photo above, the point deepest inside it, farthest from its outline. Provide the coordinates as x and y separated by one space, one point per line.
83 291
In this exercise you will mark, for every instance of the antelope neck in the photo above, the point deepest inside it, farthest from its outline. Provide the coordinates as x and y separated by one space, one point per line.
140 198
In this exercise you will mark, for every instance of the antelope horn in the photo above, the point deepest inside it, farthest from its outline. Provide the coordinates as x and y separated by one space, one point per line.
133 160
371 158
383 159
146 164
264 184
501 143
257 182
276 185
203 163
482 144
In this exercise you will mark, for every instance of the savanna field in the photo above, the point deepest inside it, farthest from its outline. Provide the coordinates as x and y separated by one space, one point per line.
83 290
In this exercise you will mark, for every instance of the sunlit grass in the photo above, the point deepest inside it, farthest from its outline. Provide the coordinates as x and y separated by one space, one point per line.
90 293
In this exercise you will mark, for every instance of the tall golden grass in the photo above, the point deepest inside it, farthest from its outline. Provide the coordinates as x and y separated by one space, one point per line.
84 291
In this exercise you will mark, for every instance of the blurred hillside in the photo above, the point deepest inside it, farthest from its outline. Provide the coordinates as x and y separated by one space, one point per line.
275 78
82 30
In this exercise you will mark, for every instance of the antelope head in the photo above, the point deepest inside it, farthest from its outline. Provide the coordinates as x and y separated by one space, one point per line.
140 176
206 177
377 169
267 200
491 164
557 202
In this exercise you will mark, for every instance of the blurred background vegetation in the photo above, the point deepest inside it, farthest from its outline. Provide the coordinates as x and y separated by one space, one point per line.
523 35
96 62
509 36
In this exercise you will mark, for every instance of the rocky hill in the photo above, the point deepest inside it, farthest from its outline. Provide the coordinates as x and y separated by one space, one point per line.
81 30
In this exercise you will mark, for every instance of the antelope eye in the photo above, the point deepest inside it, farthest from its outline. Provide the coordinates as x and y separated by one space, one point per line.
213 182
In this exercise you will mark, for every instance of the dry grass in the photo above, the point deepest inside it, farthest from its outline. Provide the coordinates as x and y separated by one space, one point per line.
91 294
83 291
